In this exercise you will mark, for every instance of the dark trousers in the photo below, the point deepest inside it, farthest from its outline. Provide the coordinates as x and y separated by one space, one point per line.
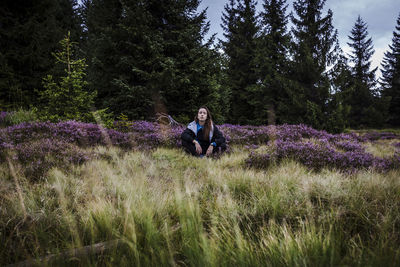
191 148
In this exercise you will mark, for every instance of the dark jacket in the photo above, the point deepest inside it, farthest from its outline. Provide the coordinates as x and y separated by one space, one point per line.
190 133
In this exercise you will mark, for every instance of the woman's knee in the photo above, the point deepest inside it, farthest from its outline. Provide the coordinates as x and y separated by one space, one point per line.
189 147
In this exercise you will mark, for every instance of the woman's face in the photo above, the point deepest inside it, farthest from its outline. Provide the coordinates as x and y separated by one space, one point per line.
202 114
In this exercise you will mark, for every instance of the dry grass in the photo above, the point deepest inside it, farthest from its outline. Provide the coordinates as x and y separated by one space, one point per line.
169 208
382 148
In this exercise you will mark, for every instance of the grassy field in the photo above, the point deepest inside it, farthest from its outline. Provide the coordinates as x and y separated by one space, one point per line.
165 208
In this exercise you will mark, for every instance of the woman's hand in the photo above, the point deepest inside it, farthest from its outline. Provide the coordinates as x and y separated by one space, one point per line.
209 150
198 147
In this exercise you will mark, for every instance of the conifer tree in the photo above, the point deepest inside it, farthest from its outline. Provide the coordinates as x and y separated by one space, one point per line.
240 26
190 66
104 45
341 88
314 40
149 56
361 99
66 97
391 77
272 62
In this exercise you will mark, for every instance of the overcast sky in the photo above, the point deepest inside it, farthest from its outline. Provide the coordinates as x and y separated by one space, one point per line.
380 16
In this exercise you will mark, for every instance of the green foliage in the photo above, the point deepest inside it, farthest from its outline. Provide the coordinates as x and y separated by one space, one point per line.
273 64
66 98
149 56
122 123
103 117
184 119
377 113
391 77
337 121
20 116
122 117
363 96
240 26
105 57
312 50
362 51
313 114
29 32
342 85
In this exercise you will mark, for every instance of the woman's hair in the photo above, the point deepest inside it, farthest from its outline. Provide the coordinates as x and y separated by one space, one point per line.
207 124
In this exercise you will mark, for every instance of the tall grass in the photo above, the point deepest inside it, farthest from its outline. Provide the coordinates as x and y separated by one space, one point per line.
170 209
17 117
382 148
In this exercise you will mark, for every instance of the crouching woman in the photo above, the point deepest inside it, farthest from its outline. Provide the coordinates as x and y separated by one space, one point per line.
201 137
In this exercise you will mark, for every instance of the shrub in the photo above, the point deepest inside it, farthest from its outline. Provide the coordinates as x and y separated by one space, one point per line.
17 117
122 124
373 136
43 145
40 156
320 155
315 149
80 133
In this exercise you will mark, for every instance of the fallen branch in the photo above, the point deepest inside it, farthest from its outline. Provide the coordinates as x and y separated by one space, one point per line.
166 119
82 252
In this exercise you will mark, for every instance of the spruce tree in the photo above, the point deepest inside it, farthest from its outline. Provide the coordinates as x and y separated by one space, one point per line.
272 63
341 88
314 40
66 97
361 99
240 26
390 81
190 66
102 36
149 56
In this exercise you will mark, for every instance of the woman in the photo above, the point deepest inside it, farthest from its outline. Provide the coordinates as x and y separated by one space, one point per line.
202 137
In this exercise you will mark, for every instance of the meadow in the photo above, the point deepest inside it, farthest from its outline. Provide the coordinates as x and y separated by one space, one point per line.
73 193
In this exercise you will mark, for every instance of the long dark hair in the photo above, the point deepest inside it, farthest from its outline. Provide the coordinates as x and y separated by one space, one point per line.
207 125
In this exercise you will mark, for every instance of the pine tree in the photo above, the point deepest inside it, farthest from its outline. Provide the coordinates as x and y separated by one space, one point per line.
361 99
240 26
313 46
29 32
272 62
391 77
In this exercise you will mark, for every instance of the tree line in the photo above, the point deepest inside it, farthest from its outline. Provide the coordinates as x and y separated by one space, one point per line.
139 57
